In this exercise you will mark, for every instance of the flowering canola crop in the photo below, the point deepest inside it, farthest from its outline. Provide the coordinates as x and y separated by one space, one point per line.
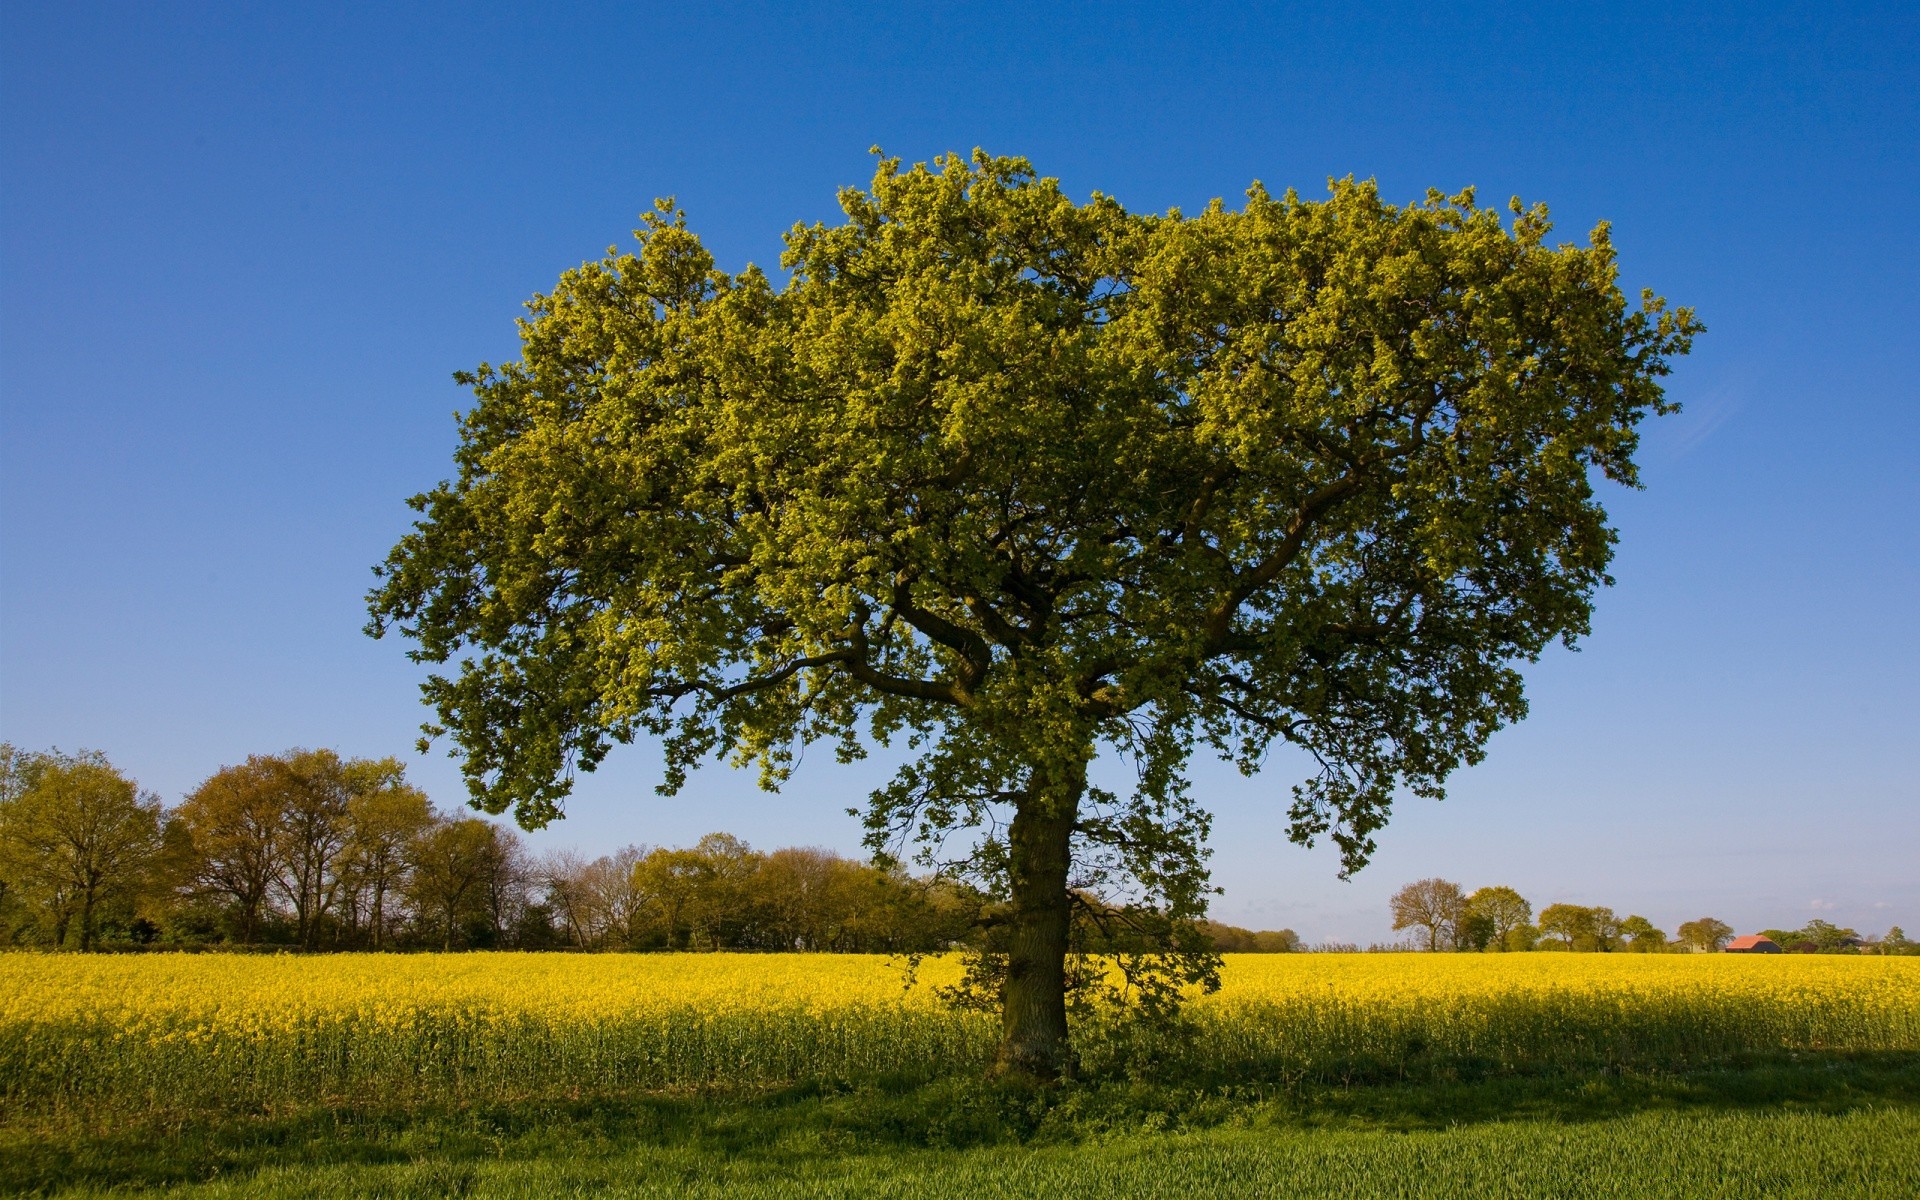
197 1029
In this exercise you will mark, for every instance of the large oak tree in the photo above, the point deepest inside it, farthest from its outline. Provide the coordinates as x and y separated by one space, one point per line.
1022 480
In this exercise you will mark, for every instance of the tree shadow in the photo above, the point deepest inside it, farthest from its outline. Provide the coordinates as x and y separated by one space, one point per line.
897 1114
1826 1082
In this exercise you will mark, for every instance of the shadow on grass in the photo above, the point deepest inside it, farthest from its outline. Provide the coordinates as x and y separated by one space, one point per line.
45 1156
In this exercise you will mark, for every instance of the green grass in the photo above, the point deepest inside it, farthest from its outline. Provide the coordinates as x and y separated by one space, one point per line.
1869 1154
1811 1125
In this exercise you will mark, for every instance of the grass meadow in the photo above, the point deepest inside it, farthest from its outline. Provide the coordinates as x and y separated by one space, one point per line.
776 1075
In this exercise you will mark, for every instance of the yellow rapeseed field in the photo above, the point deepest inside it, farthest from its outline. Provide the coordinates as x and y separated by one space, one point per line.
196 1029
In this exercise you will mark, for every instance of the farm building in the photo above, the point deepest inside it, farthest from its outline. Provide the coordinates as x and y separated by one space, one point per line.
1753 943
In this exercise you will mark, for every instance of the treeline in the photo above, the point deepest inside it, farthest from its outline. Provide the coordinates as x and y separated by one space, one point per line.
1447 917
312 851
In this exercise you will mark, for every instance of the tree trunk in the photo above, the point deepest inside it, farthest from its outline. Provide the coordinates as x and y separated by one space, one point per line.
1033 999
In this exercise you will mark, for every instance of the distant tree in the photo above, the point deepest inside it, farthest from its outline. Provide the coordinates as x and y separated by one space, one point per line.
807 898
1641 935
1579 927
313 835
616 892
1783 938
506 885
721 899
1829 938
1706 935
449 862
1435 905
1522 938
1608 929
17 769
671 879
1475 931
598 903
15 917
383 823
558 874
234 821
1024 480
1230 939
897 913
76 839
1501 912
1897 942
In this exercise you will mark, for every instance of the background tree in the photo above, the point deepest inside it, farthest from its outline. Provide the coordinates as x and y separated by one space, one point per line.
1826 937
1705 935
1030 480
1435 905
1230 939
1641 935
383 822
1564 925
807 898
1608 929
1474 932
17 768
233 821
15 917
506 883
1523 937
560 875
318 788
1506 915
451 860
77 839
618 891
723 900
1580 927
600 903
668 882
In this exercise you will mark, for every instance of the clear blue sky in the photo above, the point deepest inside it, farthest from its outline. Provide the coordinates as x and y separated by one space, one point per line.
242 248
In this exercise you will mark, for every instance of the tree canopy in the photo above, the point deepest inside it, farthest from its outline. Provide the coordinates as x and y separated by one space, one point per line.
76 838
1435 905
1020 480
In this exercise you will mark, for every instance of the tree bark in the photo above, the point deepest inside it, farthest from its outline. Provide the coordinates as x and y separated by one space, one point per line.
1033 998
86 921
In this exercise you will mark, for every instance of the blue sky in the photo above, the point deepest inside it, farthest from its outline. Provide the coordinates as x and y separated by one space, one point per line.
242 249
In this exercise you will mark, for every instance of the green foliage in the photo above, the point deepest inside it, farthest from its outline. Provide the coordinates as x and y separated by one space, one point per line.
1706 935
1231 939
1818 936
1897 942
1581 927
1498 917
1021 480
80 847
1642 937
309 850
1521 937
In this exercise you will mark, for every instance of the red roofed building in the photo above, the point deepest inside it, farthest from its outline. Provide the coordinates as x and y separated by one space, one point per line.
1753 943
